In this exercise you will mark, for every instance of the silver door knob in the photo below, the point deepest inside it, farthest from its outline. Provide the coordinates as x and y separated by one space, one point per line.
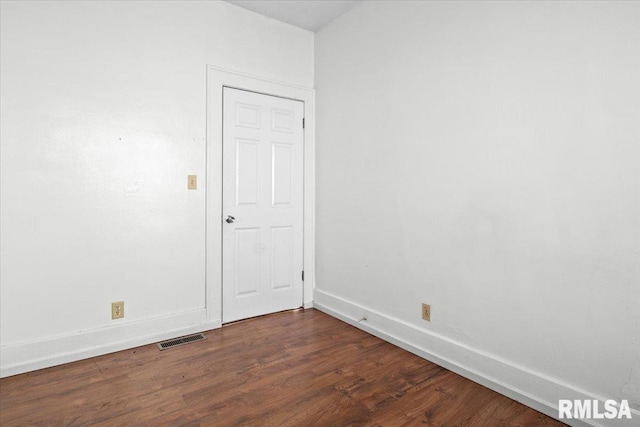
230 219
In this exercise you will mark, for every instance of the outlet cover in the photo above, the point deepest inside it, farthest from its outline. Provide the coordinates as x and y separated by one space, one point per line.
426 312
117 310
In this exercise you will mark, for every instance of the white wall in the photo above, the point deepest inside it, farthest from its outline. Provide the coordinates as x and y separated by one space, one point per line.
103 118
483 157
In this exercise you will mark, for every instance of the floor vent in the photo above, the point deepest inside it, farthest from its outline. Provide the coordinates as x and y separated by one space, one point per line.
179 341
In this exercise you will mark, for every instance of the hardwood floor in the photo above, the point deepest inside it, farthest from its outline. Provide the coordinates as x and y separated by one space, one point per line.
301 368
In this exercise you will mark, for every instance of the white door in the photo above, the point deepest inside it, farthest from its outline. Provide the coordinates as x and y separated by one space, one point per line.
262 204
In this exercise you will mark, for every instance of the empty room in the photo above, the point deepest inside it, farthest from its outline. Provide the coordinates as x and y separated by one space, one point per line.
319 213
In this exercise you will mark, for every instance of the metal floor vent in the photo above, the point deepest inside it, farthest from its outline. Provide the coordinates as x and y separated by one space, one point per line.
179 341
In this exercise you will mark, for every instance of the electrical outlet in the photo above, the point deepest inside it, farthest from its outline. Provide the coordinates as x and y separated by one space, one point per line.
117 310
426 312
192 182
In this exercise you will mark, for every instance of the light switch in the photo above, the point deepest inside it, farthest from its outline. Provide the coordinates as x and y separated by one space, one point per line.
192 183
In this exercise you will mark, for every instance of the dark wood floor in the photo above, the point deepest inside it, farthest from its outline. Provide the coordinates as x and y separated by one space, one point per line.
300 368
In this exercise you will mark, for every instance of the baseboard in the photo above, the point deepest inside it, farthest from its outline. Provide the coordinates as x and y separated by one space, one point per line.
519 383
33 355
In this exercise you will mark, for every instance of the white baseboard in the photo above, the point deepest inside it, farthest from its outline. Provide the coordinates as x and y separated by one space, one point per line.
519 383
30 356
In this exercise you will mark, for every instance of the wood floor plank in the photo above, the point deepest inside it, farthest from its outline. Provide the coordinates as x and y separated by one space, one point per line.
300 368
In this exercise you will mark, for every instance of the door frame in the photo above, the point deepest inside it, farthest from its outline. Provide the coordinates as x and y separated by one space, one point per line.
217 78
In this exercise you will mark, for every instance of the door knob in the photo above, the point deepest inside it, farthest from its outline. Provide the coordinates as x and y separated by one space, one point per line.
230 219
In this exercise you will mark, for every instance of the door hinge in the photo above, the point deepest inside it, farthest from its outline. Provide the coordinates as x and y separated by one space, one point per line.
303 123
303 275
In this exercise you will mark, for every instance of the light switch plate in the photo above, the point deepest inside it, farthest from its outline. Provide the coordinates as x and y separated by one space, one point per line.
192 182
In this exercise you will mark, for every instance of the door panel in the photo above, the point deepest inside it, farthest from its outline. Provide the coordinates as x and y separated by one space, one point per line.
263 192
281 257
247 173
282 156
247 265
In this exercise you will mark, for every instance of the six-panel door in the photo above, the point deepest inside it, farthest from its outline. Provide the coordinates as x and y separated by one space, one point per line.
262 204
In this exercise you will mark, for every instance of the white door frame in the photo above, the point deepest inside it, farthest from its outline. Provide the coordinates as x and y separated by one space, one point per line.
217 78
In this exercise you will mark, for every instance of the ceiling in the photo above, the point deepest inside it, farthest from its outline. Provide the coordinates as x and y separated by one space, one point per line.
311 15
